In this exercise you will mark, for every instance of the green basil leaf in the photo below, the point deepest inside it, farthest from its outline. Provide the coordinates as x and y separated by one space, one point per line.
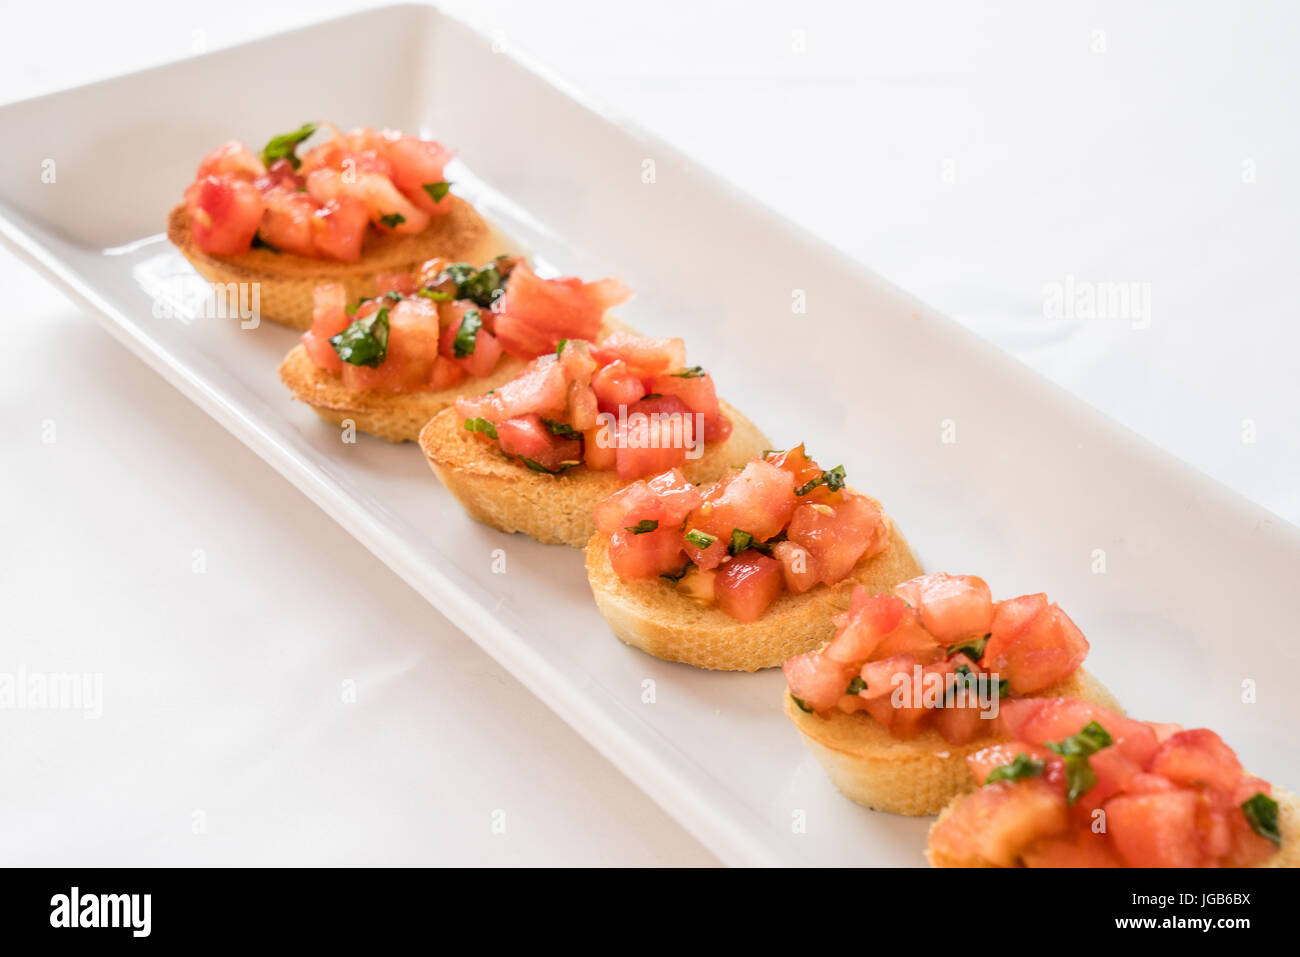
1022 767
365 341
700 539
1261 812
539 467
833 479
435 296
740 540
467 335
392 220
437 190
694 372
972 648
559 346
561 428
800 703
856 686
481 425
260 243
643 526
285 146
1079 775
677 576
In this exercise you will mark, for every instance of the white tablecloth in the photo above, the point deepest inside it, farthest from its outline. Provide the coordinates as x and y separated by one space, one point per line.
272 694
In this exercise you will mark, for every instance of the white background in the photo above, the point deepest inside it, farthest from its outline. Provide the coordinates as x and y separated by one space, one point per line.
974 155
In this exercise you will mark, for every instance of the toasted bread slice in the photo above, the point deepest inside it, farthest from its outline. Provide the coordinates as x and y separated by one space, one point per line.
555 509
286 282
915 776
1288 819
657 618
394 416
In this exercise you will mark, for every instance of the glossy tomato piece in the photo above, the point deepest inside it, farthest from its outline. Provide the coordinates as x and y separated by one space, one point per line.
225 213
998 822
952 607
645 555
414 163
541 388
758 500
1154 830
1033 645
816 680
665 499
616 387
231 158
528 438
645 356
838 536
600 448
797 566
651 443
329 317
995 755
1039 720
747 584
1197 757
696 392
584 412
535 313
287 222
869 620
339 228
447 373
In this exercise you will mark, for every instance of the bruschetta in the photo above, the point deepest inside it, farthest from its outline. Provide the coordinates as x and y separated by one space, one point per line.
1077 785
391 363
289 219
744 573
912 682
538 453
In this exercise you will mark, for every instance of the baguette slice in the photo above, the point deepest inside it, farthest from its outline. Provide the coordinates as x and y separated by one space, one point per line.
393 416
554 509
1288 819
286 282
657 618
916 776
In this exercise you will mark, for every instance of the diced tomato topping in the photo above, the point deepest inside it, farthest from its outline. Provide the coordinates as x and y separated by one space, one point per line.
869 620
1079 848
1197 757
600 448
838 536
530 439
997 821
652 442
797 566
646 357
645 555
1033 645
225 213
1154 830
759 500
329 317
540 389
697 392
615 386
447 374
535 313
412 350
339 227
481 358
232 158
951 607
816 680
747 584
415 164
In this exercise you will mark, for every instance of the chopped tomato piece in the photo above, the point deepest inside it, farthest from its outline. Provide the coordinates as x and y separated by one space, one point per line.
652 443
839 536
645 356
869 620
759 500
600 448
225 214
339 227
816 680
329 317
1198 758
696 391
412 350
1154 830
615 386
747 584
539 389
1033 645
952 607
645 555
535 313
528 438
797 566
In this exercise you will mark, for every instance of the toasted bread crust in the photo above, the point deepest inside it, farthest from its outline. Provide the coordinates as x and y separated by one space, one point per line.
1288 855
555 509
394 416
287 282
916 776
657 618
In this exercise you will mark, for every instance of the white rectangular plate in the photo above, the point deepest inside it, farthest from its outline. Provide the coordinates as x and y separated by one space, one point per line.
1186 591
